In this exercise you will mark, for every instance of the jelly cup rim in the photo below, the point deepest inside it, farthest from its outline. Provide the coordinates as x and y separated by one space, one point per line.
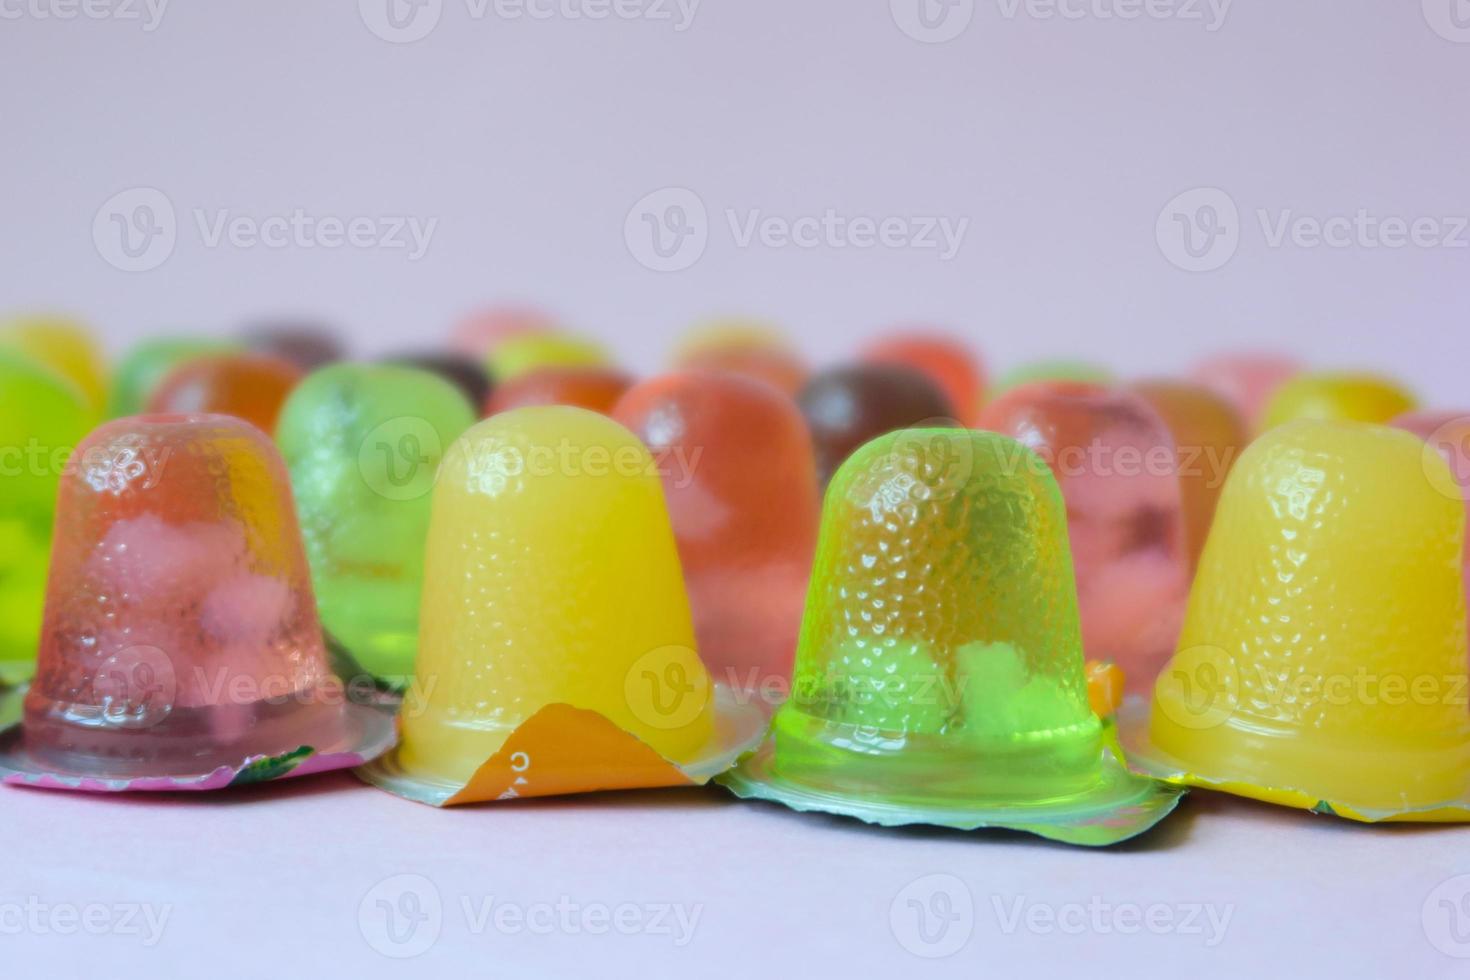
1127 805
740 723
1146 758
371 731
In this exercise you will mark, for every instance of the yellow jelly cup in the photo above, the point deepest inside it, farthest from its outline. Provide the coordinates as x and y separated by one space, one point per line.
553 600
1323 659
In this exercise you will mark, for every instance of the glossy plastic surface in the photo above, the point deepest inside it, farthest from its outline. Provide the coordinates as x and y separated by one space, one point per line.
939 676
180 631
1448 432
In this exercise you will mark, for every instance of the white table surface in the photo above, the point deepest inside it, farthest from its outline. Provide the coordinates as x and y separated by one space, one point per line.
297 870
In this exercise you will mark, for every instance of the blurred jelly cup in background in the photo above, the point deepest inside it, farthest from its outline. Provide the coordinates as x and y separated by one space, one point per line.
949 363
363 443
145 365
523 352
1248 380
252 387
1117 466
1350 696
64 346
846 407
596 389
552 581
478 333
939 675
1341 396
43 418
741 485
306 344
745 347
1081 372
466 373
180 633
1208 437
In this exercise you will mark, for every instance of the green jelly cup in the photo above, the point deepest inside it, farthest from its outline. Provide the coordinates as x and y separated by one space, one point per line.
43 418
363 444
939 674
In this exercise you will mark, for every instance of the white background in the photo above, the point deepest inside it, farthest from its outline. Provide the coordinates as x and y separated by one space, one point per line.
529 140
